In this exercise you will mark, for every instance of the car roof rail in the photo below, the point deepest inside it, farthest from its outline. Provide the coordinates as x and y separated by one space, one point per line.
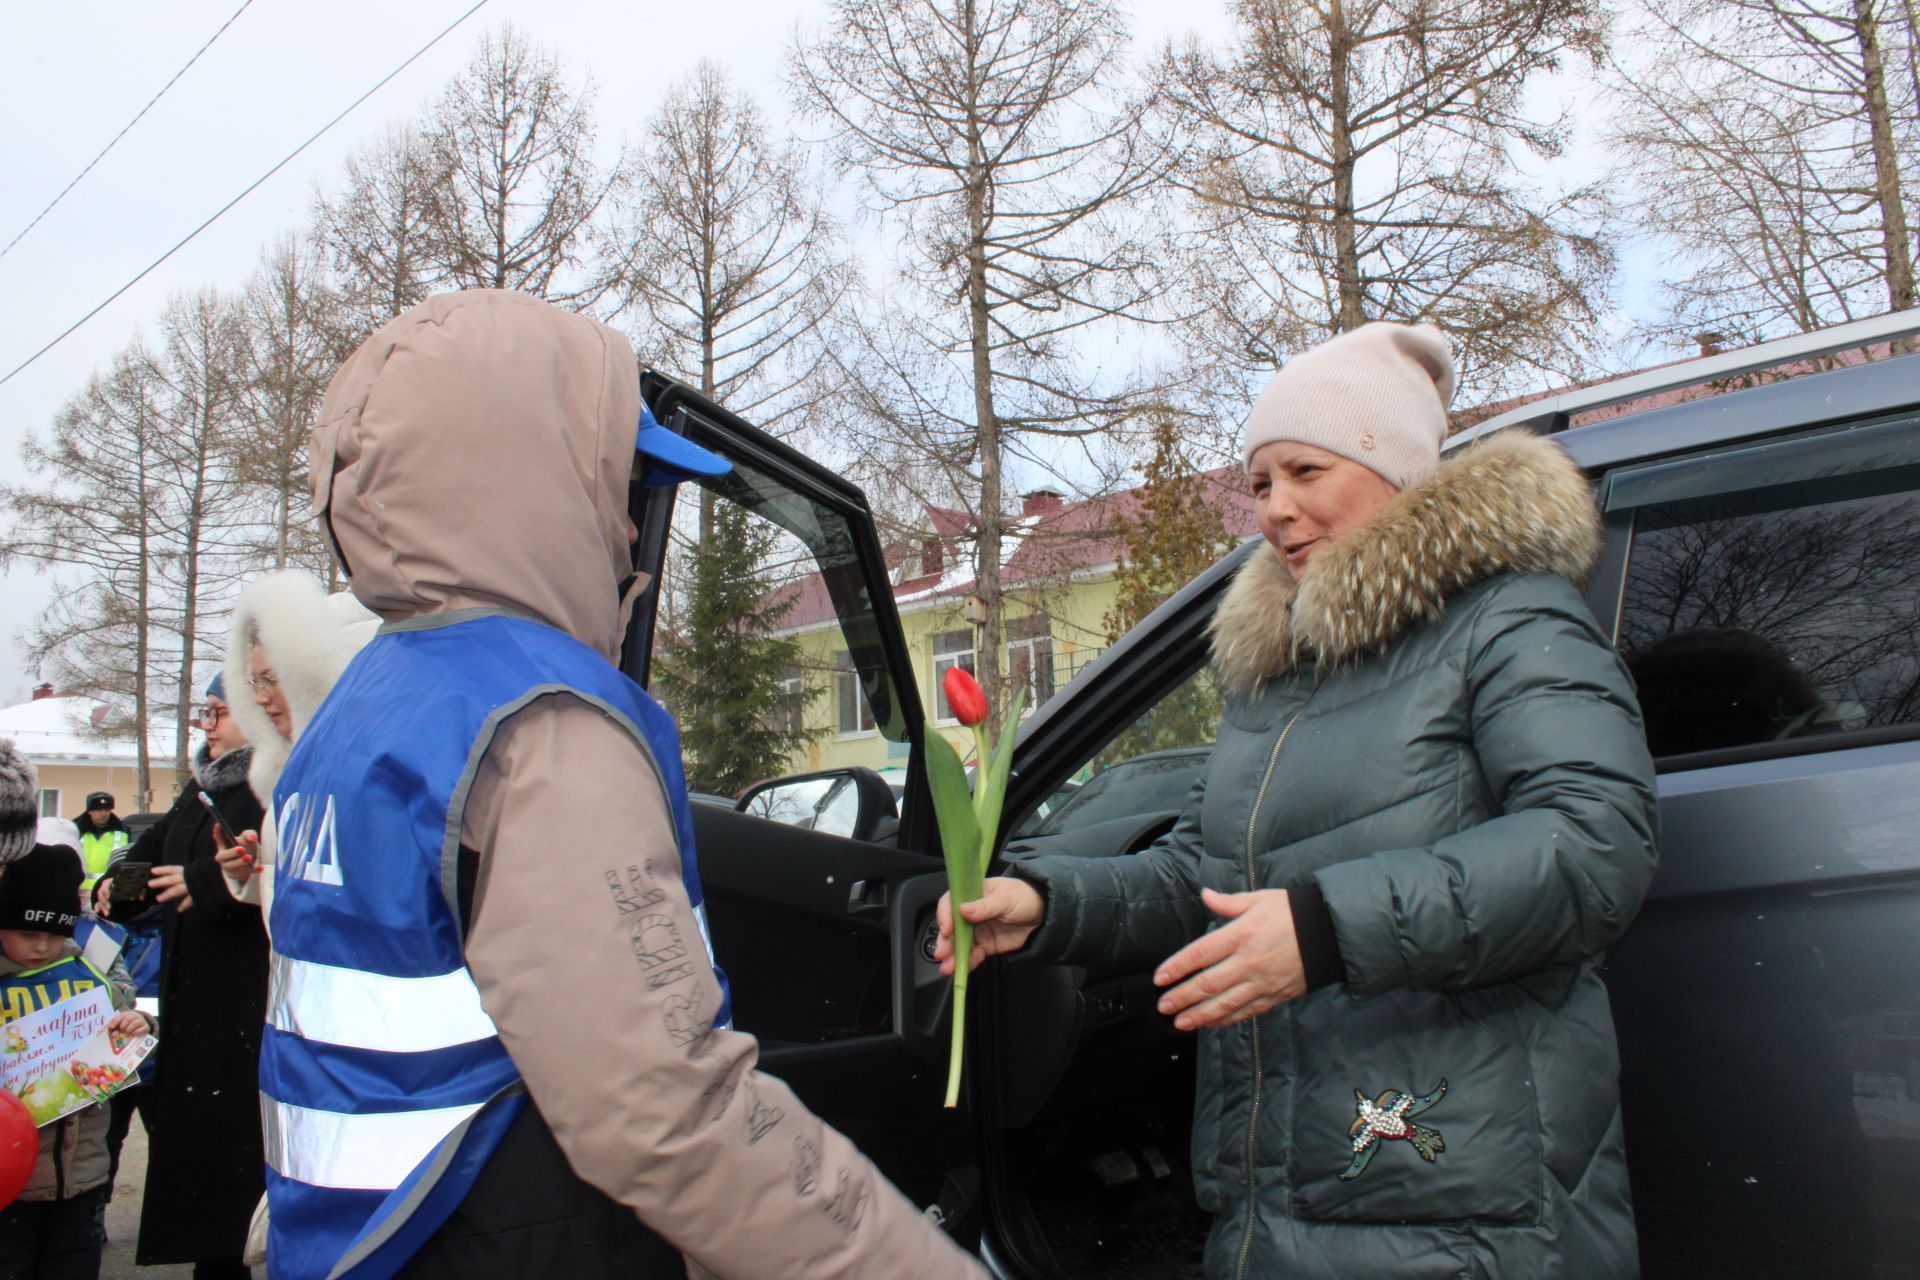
1553 413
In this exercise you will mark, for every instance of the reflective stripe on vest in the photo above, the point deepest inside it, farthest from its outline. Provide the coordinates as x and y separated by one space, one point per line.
365 1153
332 1005
384 1084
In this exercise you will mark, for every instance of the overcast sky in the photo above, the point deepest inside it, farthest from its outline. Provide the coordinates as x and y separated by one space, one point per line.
72 74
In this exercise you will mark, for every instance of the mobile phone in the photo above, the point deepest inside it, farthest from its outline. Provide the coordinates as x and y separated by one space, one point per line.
233 832
130 892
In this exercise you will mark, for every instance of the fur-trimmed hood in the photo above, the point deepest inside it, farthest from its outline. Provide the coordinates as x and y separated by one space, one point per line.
1512 503
309 637
229 770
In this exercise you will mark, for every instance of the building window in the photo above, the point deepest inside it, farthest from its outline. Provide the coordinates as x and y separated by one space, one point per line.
49 802
950 649
1030 658
793 715
855 713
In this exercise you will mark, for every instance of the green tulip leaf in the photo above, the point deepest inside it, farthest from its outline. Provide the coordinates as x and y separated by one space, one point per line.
993 779
953 807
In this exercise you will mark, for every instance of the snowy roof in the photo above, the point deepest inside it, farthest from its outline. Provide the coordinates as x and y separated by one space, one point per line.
60 731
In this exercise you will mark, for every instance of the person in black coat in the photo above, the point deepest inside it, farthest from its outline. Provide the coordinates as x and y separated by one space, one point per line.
205 1165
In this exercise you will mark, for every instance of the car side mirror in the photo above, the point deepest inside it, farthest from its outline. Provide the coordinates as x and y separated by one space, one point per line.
854 802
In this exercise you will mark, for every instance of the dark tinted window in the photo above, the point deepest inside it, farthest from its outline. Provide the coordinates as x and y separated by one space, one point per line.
1758 612
1148 784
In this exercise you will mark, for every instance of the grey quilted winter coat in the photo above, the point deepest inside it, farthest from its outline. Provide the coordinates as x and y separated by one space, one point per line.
1434 732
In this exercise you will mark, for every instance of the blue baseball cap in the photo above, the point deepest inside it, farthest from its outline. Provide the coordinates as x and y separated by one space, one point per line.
672 458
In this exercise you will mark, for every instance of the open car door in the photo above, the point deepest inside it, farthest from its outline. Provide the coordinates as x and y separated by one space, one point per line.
824 929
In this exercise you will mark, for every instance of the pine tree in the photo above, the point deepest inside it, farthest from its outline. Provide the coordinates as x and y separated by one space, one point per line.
723 671
1175 536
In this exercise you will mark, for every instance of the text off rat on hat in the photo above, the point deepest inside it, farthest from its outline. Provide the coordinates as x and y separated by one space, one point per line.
40 891
19 802
1377 395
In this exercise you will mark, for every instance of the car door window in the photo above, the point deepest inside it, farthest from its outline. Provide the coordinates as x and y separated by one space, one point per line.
765 644
1772 594
1133 787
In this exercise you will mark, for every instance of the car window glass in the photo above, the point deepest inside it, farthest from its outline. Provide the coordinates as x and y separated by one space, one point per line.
766 645
1144 784
1782 610
1146 771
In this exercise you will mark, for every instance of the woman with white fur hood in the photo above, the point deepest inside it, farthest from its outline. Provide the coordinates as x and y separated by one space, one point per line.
287 645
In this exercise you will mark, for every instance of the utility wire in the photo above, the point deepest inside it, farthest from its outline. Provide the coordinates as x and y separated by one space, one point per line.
188 238
123 131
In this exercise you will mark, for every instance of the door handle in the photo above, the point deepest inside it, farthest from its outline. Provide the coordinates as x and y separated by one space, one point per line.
867 898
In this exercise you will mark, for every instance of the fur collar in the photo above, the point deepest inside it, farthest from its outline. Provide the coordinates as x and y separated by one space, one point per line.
309 637
1511 503
217 775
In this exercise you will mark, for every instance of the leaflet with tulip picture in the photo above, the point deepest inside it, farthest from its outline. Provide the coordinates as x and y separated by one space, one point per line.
63 1058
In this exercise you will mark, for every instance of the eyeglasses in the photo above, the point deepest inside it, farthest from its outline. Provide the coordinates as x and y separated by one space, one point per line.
267 680
210 716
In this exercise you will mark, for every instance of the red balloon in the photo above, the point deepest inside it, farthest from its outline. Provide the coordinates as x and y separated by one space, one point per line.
19 1146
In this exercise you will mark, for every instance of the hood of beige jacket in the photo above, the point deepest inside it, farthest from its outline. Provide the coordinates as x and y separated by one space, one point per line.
474 453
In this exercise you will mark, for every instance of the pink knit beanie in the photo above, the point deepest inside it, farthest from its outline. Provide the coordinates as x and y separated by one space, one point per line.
1377 395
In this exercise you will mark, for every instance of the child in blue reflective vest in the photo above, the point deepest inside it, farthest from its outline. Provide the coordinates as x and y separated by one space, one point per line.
51 1232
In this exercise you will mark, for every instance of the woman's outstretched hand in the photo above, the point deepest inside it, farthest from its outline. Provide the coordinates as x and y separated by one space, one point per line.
1003 917
1240 970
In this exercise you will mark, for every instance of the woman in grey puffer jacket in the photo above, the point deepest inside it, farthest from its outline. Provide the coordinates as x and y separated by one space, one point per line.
1430 808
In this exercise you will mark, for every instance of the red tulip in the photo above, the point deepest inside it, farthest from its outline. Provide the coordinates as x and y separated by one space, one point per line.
964 695
19 1146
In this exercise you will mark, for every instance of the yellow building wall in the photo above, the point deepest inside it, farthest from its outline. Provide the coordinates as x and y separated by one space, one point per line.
74 782
1075 611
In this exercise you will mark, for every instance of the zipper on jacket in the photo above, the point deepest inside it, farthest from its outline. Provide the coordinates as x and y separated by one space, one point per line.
1253 1023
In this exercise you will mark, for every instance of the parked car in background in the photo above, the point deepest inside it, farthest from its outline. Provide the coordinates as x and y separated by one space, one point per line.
137 823
1761 577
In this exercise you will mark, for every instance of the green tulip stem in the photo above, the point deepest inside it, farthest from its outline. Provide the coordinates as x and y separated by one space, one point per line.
968 824
962 958
982 762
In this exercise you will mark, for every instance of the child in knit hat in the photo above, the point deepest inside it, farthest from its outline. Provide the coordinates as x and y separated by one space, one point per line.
52 1229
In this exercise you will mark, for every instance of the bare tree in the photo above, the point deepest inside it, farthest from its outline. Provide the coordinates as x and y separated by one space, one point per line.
1772 143
989 130
724 254
94 520
202 365
513 148
293 327
1356 160
379 230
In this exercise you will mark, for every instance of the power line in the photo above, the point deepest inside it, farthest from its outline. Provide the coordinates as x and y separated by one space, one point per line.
123 131
288 159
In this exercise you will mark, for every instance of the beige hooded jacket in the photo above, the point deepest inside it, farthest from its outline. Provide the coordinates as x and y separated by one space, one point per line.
475 454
